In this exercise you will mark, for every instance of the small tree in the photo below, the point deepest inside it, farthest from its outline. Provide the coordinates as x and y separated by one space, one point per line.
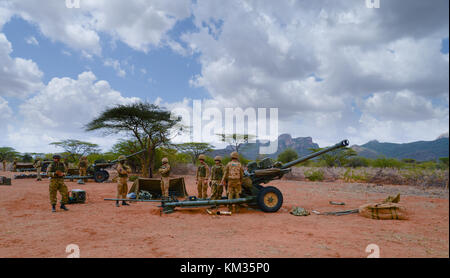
194 149
149 124
335 158
235 139
76 148
8 153
287 155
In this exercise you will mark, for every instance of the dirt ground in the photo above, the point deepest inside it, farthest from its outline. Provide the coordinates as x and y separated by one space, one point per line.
28 228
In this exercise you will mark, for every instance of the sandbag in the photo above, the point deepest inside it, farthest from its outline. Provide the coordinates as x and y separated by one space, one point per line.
383 211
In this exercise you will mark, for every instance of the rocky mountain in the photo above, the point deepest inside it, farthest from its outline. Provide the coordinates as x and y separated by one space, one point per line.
251 150
420 150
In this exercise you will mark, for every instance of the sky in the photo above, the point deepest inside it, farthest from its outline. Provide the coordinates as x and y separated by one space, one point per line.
335 69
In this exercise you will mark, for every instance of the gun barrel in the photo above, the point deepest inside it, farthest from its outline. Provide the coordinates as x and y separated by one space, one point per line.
341 144
128 156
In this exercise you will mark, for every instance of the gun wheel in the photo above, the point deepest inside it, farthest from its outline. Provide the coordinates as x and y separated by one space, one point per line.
270 199
101 176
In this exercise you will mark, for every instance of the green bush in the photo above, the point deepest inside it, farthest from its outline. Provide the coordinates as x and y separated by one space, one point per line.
383 162
313 175
358 161
287 155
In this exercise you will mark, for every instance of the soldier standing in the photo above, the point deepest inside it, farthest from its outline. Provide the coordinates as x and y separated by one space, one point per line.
56 171
164 171
202 178
4 165
233 174
15 165
122 186
216 178
83 165
38 166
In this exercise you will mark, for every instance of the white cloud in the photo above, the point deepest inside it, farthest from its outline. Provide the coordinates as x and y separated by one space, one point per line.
18 77
116 66
62 109
268 54
5 113
32 40
139 24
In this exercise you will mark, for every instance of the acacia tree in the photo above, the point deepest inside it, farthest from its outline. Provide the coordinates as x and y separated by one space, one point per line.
76 148
149 124
194 149
8 153
235 139
335 158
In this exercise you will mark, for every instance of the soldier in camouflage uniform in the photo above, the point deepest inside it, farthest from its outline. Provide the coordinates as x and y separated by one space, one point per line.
82 166
122 186
4 165
38 166
202 176
15 165
233 174
216 179
56 171
164 171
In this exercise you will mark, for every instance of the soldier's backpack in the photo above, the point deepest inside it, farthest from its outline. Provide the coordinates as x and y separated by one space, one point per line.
235 170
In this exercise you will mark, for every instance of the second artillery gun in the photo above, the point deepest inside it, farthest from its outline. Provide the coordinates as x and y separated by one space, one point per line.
266 198
97 171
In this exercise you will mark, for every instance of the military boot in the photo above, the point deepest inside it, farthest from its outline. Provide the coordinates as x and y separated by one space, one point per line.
53 208
63 207
125 203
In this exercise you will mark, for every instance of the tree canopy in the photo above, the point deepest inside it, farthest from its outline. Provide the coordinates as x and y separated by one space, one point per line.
8 153
235 139
287 155
150 125
76 148
194 149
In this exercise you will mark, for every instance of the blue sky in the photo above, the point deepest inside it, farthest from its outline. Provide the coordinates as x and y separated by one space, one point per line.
323 66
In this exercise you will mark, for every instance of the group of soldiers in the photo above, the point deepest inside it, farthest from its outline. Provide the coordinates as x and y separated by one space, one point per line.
218 177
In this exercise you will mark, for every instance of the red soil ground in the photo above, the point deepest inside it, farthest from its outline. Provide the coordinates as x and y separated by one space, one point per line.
28 228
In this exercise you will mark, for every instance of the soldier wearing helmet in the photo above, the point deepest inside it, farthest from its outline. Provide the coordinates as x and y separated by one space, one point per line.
201 177
38 166
164 171
56 171
233 174
216 178
82 166
122 185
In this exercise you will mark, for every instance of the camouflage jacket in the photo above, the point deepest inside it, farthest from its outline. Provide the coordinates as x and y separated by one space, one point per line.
202 171
55 166
217 172
164 170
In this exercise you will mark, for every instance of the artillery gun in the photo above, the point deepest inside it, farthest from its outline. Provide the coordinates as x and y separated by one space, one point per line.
266 198
97 171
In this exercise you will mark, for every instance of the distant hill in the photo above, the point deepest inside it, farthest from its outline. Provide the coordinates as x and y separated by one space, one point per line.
420 150
251 150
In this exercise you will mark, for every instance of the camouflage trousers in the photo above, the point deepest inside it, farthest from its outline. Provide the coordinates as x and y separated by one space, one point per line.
4 166
216 190
38 173
55 186
165 181
202 187
122 188
83 173
234 191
